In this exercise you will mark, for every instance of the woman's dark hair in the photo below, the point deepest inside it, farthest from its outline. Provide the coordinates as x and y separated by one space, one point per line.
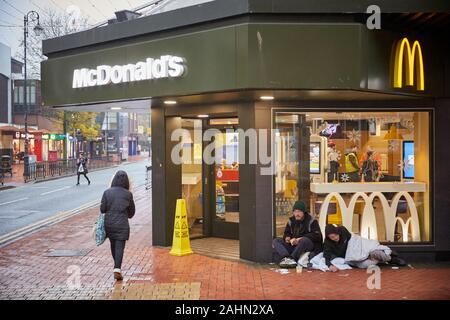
121 180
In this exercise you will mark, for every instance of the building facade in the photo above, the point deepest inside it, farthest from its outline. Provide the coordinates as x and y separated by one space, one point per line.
290 101
9 69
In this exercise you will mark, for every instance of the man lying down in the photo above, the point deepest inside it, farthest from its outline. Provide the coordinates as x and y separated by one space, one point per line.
343 250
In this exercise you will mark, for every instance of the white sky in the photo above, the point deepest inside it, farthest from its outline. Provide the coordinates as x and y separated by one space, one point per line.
13 11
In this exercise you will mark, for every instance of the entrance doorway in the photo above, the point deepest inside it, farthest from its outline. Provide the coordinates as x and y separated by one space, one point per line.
224 177
211 191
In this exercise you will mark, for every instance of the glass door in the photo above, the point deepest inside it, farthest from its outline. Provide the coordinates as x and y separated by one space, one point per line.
192 175
224 175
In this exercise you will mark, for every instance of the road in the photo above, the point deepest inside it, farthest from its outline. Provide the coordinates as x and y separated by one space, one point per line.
22 207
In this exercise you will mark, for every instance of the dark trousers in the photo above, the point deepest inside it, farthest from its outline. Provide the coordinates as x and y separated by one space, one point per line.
84 174
287 250
334 171
117 249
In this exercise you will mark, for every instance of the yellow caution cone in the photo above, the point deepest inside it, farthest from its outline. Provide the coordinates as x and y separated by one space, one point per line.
181 244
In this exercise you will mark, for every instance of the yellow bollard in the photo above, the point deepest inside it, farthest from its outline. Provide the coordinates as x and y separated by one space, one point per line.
181 244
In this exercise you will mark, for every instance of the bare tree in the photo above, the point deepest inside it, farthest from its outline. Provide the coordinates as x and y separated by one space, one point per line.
55 24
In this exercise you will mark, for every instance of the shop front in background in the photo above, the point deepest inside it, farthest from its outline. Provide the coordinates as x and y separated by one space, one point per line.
211 187
49 147
19 146
368 171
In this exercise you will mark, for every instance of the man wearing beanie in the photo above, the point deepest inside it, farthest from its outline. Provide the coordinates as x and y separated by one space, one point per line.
301 235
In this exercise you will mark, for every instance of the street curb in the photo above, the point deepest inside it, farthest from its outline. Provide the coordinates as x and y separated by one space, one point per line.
7 188
15 235
21 233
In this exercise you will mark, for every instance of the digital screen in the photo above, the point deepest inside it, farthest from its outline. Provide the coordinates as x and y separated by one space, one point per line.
408 159
314 158
329 130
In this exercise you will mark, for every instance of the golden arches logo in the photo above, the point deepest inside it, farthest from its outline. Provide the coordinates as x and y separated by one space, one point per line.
413 64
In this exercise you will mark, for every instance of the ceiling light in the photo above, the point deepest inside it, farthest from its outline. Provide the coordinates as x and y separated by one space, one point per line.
116 108
170 102
202 116
266 97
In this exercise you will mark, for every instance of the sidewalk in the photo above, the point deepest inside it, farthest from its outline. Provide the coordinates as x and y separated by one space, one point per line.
36 267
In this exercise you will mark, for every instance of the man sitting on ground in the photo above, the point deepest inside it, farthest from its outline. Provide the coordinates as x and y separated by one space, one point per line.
302 236
336 245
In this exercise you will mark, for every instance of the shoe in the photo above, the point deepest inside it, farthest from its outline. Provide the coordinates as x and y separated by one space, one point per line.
288 263
89 183
304 259
77 184
397 261
118 274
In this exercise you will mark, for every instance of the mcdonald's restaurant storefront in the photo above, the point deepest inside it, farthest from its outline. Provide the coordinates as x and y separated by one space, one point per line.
253 109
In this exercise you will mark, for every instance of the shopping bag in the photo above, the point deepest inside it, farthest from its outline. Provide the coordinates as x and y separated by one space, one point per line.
99 227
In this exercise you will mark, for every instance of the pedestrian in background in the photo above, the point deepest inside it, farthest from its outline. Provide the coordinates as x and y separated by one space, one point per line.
82 169
118 206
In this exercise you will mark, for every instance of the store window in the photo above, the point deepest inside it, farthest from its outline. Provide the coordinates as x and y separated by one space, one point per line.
31 93
368 171
226 173
18 94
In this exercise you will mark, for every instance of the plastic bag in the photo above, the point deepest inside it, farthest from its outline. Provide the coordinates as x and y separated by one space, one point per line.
100 232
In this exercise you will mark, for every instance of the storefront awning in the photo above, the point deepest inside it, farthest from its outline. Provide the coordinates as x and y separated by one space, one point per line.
8 128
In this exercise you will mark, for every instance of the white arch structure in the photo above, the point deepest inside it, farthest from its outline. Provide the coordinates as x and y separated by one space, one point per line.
368 220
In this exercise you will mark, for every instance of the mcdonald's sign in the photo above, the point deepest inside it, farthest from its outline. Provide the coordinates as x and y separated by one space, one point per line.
413 65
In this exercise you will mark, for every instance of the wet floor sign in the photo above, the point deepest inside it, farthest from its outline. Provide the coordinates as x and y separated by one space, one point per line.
181 244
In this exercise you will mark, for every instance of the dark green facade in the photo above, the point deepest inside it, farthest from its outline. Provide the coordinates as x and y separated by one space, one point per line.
313 58
248 56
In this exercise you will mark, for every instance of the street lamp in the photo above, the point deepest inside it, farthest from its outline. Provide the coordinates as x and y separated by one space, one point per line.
30 16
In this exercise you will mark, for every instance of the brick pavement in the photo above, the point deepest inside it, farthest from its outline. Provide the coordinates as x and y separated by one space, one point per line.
27 272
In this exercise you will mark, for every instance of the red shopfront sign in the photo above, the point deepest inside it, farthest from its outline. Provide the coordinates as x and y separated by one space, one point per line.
21 135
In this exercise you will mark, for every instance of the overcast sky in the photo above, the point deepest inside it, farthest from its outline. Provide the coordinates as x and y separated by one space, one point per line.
13 11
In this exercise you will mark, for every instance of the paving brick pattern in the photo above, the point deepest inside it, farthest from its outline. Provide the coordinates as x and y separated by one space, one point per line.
27 272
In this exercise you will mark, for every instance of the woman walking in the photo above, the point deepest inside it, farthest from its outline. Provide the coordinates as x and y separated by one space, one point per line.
82 169
118 206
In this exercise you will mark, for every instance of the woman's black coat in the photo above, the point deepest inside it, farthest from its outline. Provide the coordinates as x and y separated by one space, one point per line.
118 206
